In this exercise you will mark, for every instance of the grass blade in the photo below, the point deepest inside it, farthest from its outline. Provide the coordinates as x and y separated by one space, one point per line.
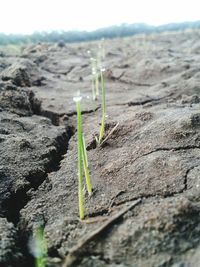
85 165
80 172
102 129
40 248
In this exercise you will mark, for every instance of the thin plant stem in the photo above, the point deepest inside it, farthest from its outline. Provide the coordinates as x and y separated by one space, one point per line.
94 78
39 262
80 172
85 166
98 64
97 84
84 148
41 249
93 87
82 159
102 129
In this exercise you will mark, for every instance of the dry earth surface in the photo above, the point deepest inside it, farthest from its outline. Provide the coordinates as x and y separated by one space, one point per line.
145 207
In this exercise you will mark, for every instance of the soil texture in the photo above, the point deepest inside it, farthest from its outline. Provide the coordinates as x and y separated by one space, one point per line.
145 206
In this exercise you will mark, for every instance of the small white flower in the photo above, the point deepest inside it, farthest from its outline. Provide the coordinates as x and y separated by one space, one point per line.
103 69
77 97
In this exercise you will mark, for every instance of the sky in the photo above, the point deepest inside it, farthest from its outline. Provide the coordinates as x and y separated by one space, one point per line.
28 16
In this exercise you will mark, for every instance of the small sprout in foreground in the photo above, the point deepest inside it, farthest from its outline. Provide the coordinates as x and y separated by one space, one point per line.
38 248
102 129
82 159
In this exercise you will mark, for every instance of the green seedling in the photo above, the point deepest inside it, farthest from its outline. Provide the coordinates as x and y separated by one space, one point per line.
96 63
38 248
95 79
85 166
101 52
93 75
80 171
102 129
84 150
82 160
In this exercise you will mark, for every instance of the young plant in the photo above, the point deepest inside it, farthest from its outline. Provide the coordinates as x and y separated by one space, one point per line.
82 160
96 63
38 248
85 166
99 61
80 172
102 129
101 52
95 79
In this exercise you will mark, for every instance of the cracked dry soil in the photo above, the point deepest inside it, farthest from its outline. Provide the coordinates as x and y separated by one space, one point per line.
145 208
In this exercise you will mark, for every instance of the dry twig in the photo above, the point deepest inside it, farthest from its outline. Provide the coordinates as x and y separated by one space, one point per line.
75 252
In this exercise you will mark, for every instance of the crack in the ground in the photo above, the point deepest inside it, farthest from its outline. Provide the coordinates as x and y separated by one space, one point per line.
115 78
145 101
54 116
19 199
59 72
135 83
57 118
144 196
73 113
154 151
69 70
186 178
170 149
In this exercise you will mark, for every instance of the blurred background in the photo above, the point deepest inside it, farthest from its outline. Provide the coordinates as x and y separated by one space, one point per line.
23 21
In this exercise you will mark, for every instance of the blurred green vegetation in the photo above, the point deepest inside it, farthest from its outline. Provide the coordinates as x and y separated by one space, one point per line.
80 36
10 49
